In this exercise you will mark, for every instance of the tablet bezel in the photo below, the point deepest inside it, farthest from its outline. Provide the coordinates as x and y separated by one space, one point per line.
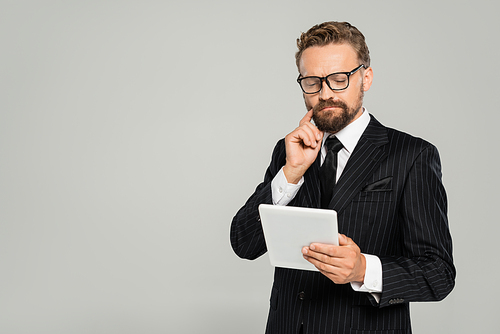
287 229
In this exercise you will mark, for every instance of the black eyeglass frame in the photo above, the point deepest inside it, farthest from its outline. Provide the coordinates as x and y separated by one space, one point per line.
299 79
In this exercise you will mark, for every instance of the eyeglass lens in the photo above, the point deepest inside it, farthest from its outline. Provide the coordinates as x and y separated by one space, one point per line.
335 81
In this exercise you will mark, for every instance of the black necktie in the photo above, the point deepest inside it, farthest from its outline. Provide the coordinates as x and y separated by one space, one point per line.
328 171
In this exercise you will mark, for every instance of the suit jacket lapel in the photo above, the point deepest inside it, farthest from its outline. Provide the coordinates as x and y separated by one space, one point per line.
364 159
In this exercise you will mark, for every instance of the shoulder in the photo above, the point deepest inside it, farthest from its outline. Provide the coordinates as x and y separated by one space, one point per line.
399 141
279 152
402 140
409 152
278 158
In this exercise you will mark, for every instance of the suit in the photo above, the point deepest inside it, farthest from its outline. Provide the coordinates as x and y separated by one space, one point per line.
390 200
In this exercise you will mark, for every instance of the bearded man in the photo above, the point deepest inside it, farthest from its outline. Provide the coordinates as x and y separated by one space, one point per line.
385 185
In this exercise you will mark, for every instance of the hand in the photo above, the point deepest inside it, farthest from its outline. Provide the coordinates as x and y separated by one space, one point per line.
342 264
302 147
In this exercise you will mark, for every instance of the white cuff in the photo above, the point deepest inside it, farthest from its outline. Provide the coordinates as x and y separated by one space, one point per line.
282 191
373 277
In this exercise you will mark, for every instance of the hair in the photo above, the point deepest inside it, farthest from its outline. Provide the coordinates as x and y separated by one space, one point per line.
334 33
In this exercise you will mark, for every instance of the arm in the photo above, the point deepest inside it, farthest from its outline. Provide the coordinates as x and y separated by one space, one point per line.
295 154
424 271
247 238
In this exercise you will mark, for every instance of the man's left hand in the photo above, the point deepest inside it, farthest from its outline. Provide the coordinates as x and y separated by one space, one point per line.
342 264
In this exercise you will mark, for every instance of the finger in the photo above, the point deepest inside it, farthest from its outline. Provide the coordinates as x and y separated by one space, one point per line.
306 136
318 258
307 118
322 266
300 135
326 249
317 133
312 133
344 240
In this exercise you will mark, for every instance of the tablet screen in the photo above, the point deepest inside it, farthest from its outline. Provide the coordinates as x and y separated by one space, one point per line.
287 229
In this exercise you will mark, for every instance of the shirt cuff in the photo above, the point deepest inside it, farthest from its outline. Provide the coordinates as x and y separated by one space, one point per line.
373 277
282 191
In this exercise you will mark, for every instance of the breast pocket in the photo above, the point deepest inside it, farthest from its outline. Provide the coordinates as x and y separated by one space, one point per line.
376 191
375 196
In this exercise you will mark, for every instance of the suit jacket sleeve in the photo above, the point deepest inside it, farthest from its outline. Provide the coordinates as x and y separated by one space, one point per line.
247 238
424 271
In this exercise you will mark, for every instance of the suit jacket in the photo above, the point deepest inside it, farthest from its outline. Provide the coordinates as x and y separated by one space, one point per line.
390 200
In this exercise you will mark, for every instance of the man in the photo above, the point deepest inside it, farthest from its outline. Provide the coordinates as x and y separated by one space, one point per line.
394 242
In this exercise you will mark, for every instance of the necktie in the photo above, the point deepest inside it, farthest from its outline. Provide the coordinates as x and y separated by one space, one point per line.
328 171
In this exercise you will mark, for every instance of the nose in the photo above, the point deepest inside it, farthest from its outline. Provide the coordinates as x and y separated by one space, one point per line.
325 93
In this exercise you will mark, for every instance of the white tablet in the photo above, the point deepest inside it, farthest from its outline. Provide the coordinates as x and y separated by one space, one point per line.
287 229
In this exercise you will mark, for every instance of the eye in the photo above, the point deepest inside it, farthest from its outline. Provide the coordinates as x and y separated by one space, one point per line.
338 81
337 78
310 82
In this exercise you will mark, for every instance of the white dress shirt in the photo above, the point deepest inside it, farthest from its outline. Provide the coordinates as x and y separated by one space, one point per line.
283 193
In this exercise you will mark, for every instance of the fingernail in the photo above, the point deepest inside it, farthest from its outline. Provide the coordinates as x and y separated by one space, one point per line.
312 247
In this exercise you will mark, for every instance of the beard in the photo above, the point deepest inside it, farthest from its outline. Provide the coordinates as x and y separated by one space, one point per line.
333 121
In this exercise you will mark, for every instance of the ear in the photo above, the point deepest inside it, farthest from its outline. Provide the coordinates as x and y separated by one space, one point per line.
367 79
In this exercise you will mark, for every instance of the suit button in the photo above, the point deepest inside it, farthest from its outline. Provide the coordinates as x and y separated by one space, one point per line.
396 301
302 295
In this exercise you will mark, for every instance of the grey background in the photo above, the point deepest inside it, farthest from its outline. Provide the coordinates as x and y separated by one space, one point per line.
131 132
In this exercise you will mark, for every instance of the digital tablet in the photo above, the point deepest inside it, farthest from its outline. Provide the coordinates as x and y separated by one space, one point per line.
287 229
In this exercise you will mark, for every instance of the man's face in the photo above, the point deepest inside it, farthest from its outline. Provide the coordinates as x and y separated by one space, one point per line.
334 110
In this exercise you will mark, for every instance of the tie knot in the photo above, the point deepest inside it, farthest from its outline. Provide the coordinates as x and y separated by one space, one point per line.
332 143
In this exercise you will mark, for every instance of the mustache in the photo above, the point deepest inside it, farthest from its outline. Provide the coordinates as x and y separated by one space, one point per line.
330 103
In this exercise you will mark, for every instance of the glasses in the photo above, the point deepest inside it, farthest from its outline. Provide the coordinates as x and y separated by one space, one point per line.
336 81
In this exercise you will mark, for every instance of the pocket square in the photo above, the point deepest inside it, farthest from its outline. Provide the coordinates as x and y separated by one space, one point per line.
380 185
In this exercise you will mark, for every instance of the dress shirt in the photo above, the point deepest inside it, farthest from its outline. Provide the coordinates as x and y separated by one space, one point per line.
283 193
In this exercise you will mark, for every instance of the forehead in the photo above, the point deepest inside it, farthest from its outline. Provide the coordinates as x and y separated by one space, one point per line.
323 60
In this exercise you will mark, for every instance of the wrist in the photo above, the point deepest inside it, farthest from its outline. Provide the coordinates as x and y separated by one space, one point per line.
292 175
362 269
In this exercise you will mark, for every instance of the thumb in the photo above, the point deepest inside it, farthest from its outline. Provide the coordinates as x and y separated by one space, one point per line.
344 240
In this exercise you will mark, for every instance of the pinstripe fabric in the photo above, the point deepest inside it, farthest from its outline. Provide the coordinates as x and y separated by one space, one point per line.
391 202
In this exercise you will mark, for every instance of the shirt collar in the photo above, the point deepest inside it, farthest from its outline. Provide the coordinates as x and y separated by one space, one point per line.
349 136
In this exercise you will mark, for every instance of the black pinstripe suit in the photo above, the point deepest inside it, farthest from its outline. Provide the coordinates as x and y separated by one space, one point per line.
391 202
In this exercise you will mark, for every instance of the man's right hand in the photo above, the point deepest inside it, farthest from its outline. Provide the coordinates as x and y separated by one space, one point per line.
302 147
